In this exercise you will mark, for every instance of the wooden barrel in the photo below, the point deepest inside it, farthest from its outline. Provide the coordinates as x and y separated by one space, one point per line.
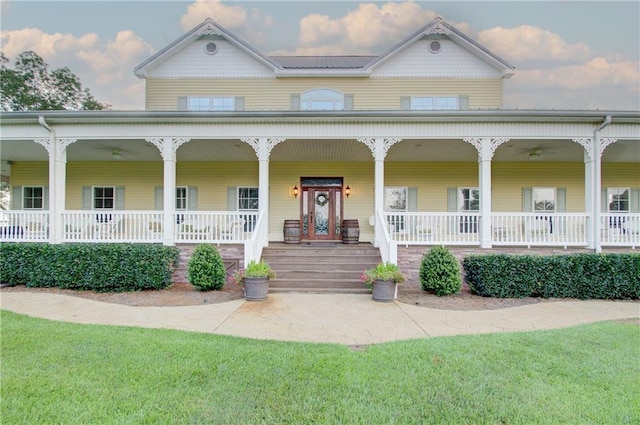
292 231
350 231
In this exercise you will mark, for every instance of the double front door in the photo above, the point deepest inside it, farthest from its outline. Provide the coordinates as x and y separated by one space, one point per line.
321 208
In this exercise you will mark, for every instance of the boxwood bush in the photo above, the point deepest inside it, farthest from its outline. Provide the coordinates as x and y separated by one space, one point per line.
97 267
205 269
583 276
440 272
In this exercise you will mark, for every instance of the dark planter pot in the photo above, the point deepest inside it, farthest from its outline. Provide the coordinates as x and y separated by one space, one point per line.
384 290
256 288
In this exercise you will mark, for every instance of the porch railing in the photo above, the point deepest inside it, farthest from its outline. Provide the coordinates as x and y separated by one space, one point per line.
214 226
388 247
254 245
434 228
24 225
533 229
620 229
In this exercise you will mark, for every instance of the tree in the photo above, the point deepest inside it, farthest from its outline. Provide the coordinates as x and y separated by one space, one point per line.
29 86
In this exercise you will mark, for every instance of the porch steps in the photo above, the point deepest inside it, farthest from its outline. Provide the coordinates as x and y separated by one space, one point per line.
320 267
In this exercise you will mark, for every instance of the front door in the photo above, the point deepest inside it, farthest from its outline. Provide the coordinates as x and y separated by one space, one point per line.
321 211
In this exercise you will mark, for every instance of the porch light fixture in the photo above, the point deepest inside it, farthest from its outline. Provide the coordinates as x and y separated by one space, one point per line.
295 191
347 191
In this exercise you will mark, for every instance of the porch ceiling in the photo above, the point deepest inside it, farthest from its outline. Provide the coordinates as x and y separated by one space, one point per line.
321 150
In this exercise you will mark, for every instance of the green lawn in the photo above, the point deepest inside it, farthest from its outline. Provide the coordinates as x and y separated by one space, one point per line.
59 373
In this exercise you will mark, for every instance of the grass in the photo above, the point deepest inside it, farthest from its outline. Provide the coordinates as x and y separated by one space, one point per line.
60 373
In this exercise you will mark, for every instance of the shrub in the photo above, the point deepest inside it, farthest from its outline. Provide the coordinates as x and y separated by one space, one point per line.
440 272
205 269
97 267
583 276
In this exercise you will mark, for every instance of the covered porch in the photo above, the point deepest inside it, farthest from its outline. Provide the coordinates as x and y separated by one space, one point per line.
464 177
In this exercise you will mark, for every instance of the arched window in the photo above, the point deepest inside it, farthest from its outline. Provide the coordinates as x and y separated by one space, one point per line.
322 100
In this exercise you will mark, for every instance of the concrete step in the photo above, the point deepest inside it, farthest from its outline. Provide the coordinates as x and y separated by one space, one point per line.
281 265
362 290
315 283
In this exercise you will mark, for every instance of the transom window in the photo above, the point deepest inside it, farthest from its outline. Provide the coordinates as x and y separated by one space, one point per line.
618 199
33 198
248 199
211 104
181 198
322 100
428 103
544 199
104 198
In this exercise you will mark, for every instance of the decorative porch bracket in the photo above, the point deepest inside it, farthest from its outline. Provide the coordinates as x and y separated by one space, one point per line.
168 146
486 147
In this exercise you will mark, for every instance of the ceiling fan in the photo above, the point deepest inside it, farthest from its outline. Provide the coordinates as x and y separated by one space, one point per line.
117 153
534 154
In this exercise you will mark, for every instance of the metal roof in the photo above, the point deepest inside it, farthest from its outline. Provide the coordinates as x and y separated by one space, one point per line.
322 62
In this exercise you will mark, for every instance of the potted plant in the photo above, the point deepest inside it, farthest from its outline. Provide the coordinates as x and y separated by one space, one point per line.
383 279
255 278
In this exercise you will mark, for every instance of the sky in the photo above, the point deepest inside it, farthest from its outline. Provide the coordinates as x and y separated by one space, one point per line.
566 54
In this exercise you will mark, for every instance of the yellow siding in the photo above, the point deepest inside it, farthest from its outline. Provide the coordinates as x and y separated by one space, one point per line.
431 180
368 93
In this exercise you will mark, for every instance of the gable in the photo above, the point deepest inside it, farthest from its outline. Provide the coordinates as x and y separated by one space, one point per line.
193 61
452 60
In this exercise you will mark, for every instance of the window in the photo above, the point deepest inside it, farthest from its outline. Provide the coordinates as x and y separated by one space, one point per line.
212 103
181 198
544 199
322 100
248 199
33 198
618 199
434 103
395 200
468 199
103 198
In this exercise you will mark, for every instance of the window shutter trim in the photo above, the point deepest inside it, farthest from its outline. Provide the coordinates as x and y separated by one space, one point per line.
463 102
634 200
232 198
192 198
527 199
348 102
119 201
87 198
45 198
239 103
405 103
295 102
412 199
182 103
158 198
452 199
16 198
561 199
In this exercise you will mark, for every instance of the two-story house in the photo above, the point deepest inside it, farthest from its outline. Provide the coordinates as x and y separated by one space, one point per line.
234 145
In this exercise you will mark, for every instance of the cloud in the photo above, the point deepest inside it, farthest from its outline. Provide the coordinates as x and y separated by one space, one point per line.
599 83
251 25
528 45
105 68
368 29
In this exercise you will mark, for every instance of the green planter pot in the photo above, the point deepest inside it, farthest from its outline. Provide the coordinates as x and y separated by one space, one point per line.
256 288
384 290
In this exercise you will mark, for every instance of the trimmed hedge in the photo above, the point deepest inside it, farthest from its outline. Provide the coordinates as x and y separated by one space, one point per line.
96 267
582 276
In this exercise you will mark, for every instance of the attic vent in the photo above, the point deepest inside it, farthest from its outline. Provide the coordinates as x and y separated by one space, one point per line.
435 47
211 48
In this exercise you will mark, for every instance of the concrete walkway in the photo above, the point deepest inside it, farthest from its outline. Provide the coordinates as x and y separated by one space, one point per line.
331 318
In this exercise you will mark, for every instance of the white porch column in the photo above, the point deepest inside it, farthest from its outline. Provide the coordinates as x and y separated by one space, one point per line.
589 191
168 147
262 147
57 150
379 147
486 147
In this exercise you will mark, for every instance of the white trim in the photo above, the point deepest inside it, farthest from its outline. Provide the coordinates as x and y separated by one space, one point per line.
24 198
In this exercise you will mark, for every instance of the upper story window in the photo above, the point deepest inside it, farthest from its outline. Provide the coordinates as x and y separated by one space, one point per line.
618 199
33 197
428 103
322 100
212 104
